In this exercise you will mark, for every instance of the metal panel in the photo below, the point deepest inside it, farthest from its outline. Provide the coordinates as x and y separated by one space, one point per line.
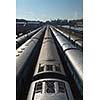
54 93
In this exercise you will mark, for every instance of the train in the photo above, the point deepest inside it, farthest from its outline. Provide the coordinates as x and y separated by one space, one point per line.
73 56
78 41
26 57
49 81
22 39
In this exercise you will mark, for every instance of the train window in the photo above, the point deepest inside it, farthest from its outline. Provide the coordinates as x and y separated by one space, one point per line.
22 48
27 44
41 69
38 87
20 51
61 86
50 87
49 67
57 68
17 55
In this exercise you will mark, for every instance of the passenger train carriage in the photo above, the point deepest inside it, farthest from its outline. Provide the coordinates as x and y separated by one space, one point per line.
49 80
74 58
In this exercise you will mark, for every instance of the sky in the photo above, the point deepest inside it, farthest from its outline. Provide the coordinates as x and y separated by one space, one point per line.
44 10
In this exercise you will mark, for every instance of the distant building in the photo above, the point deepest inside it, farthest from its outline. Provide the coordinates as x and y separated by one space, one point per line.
79 23
33 22
21 22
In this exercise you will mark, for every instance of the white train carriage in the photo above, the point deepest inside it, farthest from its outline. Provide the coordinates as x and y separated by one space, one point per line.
26 57
77 40
49 59
75 57
24 38
50 89
49 79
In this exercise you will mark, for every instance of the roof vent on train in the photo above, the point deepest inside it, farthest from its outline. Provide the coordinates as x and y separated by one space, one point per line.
47 38
41 68
47 67
38 87
50 87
